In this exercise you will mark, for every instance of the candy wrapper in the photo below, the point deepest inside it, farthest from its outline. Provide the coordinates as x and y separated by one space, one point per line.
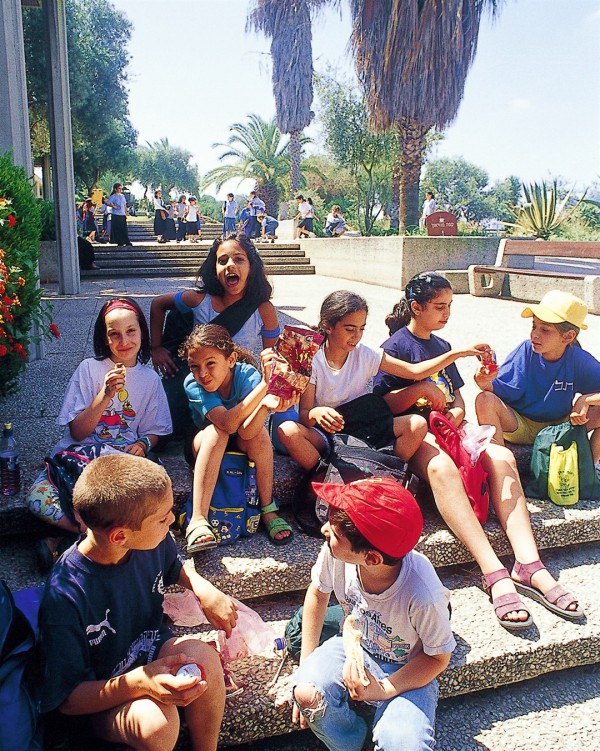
290 373
488 361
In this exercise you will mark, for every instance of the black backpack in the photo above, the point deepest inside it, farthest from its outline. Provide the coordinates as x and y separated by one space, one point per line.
349 459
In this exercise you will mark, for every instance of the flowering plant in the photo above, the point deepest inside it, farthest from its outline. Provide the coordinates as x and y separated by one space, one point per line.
24 315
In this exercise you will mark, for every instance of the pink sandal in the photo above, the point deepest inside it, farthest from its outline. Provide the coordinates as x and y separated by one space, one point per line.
507 603
556 600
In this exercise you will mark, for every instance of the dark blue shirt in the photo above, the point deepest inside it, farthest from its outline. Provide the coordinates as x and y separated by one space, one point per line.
99 621
404 345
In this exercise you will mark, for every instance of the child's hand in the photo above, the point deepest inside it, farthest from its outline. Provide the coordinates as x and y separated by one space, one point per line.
163 364
373 692
434 395
160 682
219 609
266 362
279 404
114 381
328 419
579 414
483 379
135 449
475 350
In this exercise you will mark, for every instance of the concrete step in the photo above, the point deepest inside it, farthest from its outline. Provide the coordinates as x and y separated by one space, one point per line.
487 656
112 253
181 258
178 270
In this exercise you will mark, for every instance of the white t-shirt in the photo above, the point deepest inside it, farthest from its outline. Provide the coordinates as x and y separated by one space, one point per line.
334 387
429 206
304 209
230 209
409 616
192 213
141 408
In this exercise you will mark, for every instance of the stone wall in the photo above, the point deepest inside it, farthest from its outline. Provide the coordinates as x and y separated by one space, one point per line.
392 261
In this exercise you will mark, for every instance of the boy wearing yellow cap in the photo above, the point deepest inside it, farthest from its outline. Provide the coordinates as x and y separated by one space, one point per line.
399 611
546 380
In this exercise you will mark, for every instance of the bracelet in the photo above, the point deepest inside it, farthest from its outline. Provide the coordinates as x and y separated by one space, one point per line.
145 441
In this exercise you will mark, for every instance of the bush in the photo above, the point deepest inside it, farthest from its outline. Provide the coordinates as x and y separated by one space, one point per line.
21 305
48 219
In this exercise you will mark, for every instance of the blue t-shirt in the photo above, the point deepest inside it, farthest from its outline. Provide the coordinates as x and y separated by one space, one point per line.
99 621
541 390
404 345
245 378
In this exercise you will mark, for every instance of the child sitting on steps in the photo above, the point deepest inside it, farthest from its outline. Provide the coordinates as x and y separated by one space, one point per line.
229 402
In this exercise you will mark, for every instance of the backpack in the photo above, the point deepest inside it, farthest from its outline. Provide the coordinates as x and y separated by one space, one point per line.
563 436
234 510
473 475
349 459
20 727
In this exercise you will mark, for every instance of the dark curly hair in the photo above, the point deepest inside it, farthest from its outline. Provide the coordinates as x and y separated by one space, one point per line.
422 288
258 288
338 305
213 335
101 348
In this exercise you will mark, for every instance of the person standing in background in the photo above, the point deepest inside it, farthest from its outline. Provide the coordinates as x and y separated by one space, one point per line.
118 203
229 211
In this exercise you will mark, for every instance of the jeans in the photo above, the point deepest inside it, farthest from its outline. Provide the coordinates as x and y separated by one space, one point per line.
228 224
404 723
180 229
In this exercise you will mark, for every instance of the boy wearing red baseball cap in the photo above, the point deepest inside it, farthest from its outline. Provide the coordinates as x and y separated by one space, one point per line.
399 610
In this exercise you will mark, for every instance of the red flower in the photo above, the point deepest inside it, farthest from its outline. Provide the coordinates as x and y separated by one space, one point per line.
8 318
3 350
21 281
12 220
6 300
54 330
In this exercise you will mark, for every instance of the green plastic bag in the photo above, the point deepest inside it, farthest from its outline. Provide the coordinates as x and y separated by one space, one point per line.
563 435
331 627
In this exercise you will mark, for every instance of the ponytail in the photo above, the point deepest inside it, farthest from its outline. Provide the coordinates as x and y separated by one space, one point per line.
422 288
399 317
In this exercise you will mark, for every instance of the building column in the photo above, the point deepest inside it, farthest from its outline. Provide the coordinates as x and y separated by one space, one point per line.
61 146
14 113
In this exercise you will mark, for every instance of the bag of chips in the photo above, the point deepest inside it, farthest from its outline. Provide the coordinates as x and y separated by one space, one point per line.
291 371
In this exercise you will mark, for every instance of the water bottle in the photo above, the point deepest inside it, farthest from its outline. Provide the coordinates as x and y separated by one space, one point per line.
10 471
251 492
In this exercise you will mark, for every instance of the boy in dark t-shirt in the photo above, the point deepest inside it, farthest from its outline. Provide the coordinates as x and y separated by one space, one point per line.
106 650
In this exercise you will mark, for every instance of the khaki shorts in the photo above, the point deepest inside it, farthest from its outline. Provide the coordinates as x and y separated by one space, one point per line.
527 429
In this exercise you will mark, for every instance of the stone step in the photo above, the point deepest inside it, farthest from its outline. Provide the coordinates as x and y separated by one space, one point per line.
186 252
486 656
202 246
279 258
178 270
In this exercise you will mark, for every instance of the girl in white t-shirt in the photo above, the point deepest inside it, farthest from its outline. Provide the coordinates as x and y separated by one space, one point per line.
113 403
336 399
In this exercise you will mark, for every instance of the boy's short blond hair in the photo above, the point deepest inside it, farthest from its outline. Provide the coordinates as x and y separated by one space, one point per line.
119 490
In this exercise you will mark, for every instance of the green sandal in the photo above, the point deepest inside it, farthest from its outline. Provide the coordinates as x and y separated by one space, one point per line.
276 525
196 530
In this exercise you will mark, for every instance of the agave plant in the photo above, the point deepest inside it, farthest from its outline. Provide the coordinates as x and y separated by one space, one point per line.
543 211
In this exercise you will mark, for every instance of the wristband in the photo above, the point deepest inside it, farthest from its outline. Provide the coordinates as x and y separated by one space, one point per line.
145 441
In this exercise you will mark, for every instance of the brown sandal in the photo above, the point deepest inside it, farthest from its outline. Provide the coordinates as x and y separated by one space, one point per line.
507 603
556 600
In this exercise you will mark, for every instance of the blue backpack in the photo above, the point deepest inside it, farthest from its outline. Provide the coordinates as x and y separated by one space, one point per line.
20 727
234 507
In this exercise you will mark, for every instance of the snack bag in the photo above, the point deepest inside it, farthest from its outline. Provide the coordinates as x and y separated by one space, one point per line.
290 373
488 361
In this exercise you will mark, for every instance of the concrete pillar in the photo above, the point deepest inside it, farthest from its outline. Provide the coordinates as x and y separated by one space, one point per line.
46 178
61 146
14 114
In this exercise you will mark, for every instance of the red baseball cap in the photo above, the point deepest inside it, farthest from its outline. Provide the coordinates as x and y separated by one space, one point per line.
383 511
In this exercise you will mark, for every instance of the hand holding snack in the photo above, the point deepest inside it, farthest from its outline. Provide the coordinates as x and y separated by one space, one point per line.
488 361
114 380
351 639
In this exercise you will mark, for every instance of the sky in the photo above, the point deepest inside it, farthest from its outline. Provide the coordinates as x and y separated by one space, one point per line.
531 106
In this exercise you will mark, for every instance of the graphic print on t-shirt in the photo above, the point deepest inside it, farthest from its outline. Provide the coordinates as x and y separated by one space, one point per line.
378 639
113 426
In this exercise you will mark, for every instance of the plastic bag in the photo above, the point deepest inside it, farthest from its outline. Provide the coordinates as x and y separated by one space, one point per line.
476 438
296 348
563 475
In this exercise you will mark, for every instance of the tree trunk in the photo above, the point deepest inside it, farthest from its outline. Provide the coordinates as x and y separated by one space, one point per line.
395 205
295 153
269 193
412 154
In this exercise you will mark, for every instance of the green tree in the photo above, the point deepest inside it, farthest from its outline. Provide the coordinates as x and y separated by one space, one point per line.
412 58
288 25
258 152
209 206
97 39
161 165
366 155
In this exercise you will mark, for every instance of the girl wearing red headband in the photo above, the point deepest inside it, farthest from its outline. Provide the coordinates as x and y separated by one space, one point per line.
112 403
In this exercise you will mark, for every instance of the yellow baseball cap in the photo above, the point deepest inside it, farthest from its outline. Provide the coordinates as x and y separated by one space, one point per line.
559 307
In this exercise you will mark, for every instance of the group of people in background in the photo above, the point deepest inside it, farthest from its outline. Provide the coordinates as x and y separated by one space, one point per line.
177 220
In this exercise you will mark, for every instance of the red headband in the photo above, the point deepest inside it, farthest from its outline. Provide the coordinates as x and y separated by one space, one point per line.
115 304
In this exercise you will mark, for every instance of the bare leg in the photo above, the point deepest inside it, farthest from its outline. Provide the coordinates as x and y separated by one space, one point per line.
209 447
508 499
593 424
260 451
410 431
491 410
433 465
303 444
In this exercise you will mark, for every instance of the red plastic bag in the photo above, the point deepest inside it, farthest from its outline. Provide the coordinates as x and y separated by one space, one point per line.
473 476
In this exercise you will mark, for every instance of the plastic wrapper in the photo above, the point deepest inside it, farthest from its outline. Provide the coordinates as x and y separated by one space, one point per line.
476 439
488 361
296 348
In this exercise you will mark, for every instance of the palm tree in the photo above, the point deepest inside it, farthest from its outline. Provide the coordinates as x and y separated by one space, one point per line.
412 57
287 23
259 154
